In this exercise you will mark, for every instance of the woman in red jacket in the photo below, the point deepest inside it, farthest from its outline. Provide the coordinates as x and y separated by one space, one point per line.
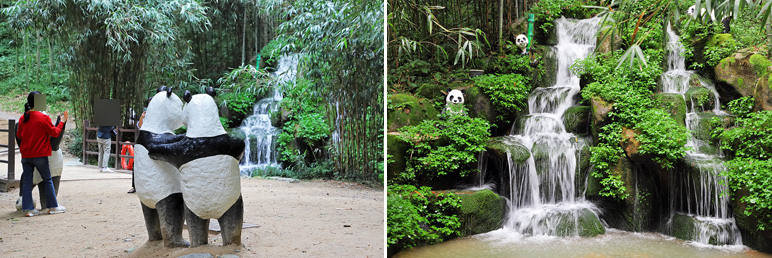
35 146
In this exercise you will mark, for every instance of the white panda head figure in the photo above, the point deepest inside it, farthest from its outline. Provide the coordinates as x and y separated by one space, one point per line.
201 115
691 10
455 97
164 112
521 41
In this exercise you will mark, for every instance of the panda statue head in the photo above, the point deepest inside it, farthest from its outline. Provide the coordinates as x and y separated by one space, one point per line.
455 96
164 112
691 10
201 115
522 42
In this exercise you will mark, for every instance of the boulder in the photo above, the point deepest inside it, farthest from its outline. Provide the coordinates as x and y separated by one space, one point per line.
638 212
683 226
753 237
600 110
406 109
396 149
481 212
700 99
501 146
585 224
480 105
745 75
674 104
577 120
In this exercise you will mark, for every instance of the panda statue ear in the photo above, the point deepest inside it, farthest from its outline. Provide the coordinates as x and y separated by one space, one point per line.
187 97
211 92
160 89
463 92
169 92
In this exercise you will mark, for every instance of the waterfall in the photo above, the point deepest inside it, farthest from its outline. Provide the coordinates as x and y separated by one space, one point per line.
699 193
544 197
261 135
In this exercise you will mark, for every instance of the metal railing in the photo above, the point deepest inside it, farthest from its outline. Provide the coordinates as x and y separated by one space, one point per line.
11 181
117 143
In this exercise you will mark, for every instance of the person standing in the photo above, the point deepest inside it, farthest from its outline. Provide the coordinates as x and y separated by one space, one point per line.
104 134
34 133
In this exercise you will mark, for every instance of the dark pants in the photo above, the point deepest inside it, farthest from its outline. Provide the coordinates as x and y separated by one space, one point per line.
29 165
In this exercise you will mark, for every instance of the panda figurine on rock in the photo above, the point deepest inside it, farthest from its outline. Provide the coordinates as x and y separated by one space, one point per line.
158 182
522 42
55 164
454 103
208 161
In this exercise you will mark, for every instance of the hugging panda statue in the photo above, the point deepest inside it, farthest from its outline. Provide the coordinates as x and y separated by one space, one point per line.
454 103
208 160
158 182
55 164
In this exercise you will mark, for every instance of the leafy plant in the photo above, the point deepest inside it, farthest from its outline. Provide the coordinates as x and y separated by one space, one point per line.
271 51
508 93
419 216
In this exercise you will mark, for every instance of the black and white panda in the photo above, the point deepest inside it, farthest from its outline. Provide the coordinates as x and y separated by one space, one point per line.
522 42
158 182
454 102
55 164
208 160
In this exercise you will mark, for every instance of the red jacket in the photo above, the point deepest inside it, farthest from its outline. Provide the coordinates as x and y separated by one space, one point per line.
35 133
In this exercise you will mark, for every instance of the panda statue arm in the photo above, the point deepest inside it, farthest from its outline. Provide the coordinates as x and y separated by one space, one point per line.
184 151
55 141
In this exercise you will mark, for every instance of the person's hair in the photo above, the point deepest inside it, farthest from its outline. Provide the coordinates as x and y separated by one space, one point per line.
29 105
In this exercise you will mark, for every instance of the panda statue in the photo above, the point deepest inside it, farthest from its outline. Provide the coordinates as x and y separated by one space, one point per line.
691 10
55 164
522 42
158 182
454 103
208 160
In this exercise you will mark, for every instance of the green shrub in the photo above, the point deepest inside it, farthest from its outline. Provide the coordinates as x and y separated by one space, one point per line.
419 216
441 147
508 93
753 176
273 50
546 11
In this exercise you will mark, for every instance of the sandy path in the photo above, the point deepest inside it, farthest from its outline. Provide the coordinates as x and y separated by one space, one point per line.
304 219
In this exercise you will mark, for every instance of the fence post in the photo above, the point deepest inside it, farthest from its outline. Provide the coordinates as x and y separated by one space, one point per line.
11 149
117 148
85 134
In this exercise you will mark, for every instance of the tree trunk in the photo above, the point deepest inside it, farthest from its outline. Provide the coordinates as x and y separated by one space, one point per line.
501 24
244 36
768 27
37 55
50 60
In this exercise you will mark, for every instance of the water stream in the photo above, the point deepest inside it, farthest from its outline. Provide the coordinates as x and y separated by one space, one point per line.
699 194
260 140
544 197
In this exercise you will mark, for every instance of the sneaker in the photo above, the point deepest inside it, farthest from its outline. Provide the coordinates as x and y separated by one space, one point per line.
31 213
108 170
132 190
55 210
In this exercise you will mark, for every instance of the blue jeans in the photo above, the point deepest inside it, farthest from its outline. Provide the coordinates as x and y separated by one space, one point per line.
29 165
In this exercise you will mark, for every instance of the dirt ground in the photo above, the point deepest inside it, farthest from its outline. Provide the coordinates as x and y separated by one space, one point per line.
304 219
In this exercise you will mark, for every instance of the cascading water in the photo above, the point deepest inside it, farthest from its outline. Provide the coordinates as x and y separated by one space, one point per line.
260 140
544 197
699 194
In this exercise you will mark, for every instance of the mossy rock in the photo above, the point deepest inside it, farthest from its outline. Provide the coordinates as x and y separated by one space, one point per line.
753 237
718 40
700 99
500 146
638 211
583 155
701 126
397 150
674 104
432 91
577 120
550 68
683 227
744 75
481 212
584 224
409 110
479 104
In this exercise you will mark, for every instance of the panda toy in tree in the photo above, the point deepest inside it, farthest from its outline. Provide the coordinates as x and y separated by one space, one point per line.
55 164
208 160
158 182
454 103
522 42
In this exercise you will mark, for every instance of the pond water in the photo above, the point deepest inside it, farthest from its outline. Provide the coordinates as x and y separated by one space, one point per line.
615 243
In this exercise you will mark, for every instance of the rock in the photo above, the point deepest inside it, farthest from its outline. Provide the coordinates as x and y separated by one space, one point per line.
743 75
432 91
583 155
605 44
753 237
480 105
638 211
407 109
577 120
500 146
683 226
600 110
672 103
629 143
481 211
197 255
228 256
585 224
700 99
396 149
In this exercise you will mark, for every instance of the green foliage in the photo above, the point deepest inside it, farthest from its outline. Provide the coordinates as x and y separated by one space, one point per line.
511 63
441 147
662 138
271 52
306 123
605 156
695 33
745 29
546 11
751 137
741 107
419 216
752 175
508 93
713 53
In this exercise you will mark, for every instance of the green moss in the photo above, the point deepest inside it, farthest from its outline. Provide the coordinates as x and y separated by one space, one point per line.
406 109
577 119
481 212
719 39
396 149
517 150
683 227
701 98
586 224
760 64
674 104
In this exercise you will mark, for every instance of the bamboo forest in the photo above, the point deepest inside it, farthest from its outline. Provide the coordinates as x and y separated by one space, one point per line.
579 128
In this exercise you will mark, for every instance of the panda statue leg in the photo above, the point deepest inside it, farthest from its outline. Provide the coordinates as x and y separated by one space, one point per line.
55 180
198 228
170 216
231 222
151 223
